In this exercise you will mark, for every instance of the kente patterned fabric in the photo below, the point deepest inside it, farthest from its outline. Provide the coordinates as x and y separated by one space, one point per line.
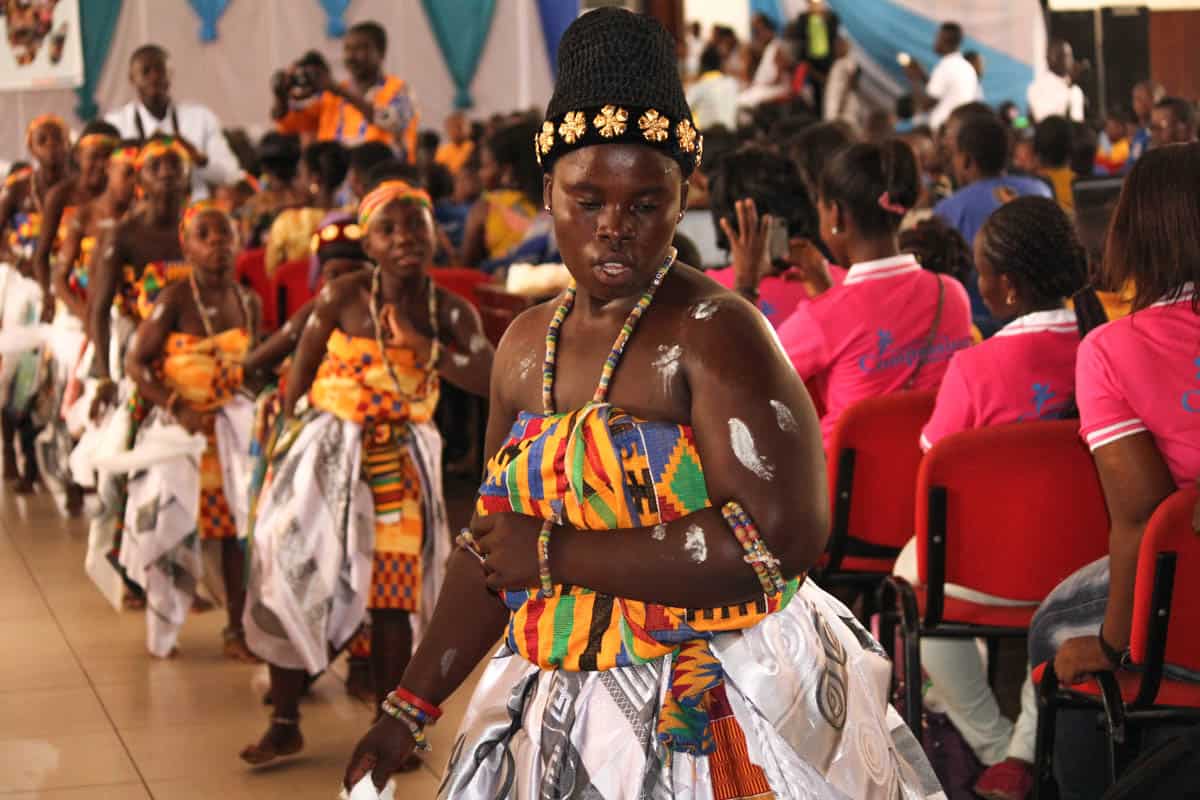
353 384
23 232
206 373
77 279
600 469
138 292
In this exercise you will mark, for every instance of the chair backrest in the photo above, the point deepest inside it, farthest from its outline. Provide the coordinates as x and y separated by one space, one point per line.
460 280
291 287
1170 531
883 435
1023 508
251 267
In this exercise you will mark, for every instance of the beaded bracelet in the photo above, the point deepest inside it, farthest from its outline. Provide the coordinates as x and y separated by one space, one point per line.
432 712
543 546
417 729
765 565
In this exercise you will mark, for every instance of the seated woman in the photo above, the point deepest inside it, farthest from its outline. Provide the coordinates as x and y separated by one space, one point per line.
1029 263
1138 397
186 360
891 325
323 168
279 160
752 193
648 649
369 363
503 216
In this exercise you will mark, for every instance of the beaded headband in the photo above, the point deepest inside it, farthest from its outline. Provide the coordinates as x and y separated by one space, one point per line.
126 155
160 146
96 140
613 124
389 192
41 121
193 211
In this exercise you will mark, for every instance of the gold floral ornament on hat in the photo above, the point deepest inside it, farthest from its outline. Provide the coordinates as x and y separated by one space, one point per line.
545 139
655 127
573 127
686 135
611 121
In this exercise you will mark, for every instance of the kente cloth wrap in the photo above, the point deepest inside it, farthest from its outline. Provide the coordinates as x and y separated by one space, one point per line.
138 292
23 232
207 373
77 278
350 514
388 192
353 384
600 469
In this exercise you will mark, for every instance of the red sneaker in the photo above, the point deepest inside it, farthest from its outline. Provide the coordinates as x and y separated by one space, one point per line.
1011 779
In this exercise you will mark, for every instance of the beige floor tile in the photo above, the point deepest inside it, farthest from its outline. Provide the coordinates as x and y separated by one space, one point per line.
20 597
313 778
32 713
122 791
63 761
37 657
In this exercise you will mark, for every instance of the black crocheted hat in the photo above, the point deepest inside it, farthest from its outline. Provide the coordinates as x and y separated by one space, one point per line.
618 83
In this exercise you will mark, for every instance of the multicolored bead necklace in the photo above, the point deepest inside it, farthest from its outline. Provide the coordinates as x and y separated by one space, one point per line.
435 352
618 348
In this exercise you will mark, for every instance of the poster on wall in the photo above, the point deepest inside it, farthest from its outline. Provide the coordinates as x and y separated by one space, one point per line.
41 45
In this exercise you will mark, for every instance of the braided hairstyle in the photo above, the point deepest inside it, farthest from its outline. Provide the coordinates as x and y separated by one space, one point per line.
861 177
938 248
1032 241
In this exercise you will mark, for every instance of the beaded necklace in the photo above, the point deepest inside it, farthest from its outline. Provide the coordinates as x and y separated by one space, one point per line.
618 348
434 352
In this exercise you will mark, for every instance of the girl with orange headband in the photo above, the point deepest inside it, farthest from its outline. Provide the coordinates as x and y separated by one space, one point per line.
360 399
22 203
186 361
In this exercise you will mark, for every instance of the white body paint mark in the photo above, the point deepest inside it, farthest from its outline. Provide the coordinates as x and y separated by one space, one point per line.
695 544
527 363
287 328
461 360
326 293
746 451
477 343
783 416
313 321
667 364
659 533
159 310
704 310
455 313
448 660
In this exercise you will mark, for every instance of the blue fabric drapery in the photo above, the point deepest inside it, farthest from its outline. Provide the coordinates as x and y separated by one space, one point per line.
556 16
461 29
335 17
210 12
97 24
883 28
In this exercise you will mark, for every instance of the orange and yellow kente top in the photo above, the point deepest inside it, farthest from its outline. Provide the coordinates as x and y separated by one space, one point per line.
206 372
353 383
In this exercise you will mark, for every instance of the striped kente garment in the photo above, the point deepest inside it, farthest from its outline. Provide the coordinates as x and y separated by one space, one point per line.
601 469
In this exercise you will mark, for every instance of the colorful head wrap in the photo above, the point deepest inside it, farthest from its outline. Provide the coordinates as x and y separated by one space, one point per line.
42 121
126 155
386 193
195 210
96 140
160 146
339 235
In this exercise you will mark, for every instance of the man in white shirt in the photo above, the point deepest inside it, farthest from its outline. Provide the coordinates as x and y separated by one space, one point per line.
1054 93
953 82
713 98
197 127
769 83
841 88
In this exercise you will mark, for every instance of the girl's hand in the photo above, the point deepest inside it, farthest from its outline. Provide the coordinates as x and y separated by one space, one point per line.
508 543
382 752
748 245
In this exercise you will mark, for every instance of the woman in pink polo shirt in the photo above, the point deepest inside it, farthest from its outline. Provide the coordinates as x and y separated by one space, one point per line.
891 325
1138 389
1029 262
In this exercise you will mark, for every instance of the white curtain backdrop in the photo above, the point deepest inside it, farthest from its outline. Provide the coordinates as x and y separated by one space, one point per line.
231 75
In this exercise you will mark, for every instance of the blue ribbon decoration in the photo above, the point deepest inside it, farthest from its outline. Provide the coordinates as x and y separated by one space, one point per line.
97 24
210 12
556 16
461 29
335 17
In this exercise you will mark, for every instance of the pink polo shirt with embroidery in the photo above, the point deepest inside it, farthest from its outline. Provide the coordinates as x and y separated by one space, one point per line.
1142 373
778 295
1025 372
866 337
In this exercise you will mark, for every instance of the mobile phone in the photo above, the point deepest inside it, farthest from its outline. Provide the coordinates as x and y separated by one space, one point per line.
903 59
777 241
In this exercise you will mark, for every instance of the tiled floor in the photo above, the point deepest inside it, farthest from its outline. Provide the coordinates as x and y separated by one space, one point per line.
86 714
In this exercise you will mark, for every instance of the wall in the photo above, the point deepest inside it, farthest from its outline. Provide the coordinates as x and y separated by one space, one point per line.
232 75
1174 57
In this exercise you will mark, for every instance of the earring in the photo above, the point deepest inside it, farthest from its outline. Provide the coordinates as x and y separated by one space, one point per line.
835 230
1012 298
547 206
680 217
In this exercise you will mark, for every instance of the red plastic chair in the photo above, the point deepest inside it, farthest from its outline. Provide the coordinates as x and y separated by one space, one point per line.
1164 632
497 310
291 287
460 280
1009 511
873 464
251 267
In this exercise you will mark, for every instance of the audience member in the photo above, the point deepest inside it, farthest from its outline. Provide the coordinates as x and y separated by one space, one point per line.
154 113
1113 154
975 59
1054 93
458 147
1145 96
369 107
279 162
817 31
1173 121
953 82
891 325
812 148
1053 141
938 248
504 215
768 82
841 101
364 158
322 170
714 96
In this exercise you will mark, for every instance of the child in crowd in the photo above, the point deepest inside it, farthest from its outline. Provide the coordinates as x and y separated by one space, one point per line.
891 325
278 160
1053 143
363 158
1112 156
186 361
458 148
323 167
451 214
511 201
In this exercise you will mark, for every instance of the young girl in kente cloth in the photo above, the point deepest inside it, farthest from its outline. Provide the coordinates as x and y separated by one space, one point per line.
656 496
22 206
353 487
186 360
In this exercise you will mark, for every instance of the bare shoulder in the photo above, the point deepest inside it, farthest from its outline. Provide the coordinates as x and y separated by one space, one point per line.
717 325
345 289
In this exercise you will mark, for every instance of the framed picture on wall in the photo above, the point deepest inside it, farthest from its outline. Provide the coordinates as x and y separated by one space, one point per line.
41 45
